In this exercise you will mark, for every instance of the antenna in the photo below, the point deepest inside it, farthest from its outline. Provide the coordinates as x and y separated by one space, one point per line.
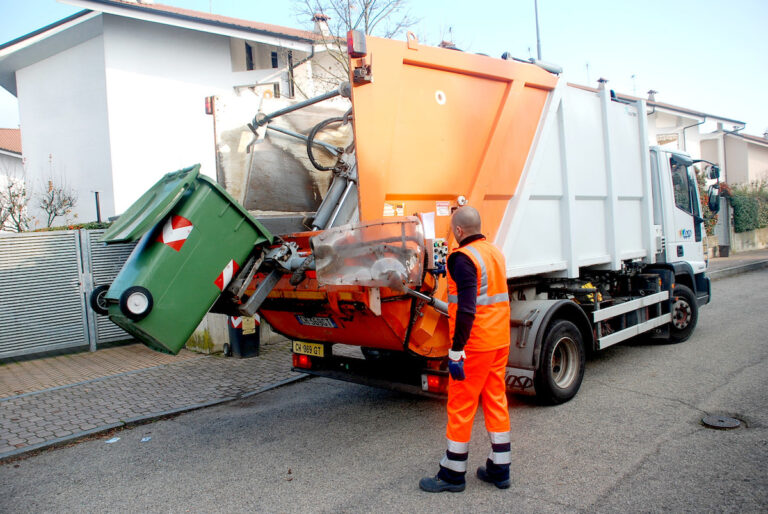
538 39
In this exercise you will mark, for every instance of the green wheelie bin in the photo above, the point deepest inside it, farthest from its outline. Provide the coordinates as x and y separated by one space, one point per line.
194 237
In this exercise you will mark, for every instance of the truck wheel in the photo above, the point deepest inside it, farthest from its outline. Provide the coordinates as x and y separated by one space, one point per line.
561 366
98 300
685 314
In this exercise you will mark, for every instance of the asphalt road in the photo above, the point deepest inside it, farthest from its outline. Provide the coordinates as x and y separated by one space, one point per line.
630 441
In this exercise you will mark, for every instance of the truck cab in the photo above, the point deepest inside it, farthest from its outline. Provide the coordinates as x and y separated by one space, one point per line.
678 217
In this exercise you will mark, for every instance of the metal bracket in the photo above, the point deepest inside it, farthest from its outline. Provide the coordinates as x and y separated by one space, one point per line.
253 303
413 41
524 326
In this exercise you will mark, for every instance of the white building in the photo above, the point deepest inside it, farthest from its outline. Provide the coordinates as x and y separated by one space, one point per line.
113 97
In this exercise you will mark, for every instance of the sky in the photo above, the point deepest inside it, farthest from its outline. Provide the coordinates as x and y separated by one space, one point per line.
705 55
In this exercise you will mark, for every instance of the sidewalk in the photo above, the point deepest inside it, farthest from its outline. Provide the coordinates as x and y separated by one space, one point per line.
54 403
50 400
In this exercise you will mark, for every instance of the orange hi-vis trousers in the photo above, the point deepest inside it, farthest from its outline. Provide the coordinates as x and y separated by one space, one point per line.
485 372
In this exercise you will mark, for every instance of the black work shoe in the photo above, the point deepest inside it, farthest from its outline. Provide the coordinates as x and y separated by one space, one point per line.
438 485
483 475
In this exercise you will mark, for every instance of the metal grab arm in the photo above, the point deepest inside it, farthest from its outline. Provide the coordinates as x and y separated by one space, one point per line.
343 90
439 305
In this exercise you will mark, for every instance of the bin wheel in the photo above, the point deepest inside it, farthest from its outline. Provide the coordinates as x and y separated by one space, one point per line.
227 350
136 303
98 300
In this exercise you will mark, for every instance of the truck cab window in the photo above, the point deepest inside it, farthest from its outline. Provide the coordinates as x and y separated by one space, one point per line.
681 186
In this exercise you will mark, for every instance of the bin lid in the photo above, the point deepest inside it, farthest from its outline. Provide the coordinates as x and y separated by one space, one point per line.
152 207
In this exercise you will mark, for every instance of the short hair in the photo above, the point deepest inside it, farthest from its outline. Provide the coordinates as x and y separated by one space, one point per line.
468 219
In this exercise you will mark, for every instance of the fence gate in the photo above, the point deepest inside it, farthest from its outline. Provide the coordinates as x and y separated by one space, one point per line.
45 281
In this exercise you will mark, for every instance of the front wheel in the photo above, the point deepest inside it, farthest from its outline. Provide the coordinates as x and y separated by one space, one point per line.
685 314
561 366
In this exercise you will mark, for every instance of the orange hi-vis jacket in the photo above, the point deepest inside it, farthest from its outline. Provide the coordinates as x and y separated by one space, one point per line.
490 330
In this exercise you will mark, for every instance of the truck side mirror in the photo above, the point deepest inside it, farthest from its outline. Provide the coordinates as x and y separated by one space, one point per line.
714 172
713 200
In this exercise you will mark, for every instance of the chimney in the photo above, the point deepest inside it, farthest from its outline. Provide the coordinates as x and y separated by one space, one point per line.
321 24
601 83
652 95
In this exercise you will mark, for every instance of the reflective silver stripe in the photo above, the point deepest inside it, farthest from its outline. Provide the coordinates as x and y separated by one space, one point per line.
483 272
455 465
490 300
501 458
482 294
455 447
499 437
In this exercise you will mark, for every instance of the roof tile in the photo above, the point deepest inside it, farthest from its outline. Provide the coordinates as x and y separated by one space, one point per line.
10 140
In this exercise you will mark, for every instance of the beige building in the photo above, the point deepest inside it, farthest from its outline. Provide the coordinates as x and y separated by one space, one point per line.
745 157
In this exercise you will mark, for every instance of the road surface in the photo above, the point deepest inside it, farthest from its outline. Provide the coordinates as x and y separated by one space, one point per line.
630 441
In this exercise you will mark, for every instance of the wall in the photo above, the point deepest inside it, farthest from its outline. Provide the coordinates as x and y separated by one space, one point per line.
736 160
10 166
158 77
62 108
757 158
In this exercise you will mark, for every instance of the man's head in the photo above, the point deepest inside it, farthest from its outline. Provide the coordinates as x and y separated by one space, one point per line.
465 222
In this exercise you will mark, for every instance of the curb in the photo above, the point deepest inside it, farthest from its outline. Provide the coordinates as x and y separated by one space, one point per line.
145 418
737 270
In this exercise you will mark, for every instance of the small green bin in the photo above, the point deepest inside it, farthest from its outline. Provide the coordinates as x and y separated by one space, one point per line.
194 237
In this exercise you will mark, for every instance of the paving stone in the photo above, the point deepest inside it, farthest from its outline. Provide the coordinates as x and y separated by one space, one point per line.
62 412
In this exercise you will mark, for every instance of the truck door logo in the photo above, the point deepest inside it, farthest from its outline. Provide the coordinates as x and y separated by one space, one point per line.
686 233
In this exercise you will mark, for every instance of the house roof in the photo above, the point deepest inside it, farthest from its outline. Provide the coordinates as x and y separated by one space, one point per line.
752 139
182 14
669 107
10 140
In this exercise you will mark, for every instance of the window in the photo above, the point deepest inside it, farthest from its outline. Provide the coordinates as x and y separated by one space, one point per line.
274 59
681 186
248 57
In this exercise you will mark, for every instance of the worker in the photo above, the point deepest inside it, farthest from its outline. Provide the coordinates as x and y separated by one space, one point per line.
478 308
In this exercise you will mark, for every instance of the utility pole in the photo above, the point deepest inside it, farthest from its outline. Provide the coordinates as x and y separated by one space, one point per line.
538 38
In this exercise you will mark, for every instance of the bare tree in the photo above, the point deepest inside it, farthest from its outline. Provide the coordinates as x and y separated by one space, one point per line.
14 198
58 200
383 18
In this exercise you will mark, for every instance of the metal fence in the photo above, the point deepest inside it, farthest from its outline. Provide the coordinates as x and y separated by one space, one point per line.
46 279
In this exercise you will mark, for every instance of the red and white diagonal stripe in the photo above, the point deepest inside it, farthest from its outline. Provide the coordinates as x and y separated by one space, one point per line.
236 321
222 281
175 232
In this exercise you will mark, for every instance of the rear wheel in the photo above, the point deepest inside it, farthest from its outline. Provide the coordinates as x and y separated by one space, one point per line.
685 314
561 366
98 300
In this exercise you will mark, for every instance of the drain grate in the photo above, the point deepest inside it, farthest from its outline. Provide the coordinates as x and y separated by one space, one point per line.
721 422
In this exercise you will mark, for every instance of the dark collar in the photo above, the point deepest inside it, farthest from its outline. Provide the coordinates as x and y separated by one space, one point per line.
470 239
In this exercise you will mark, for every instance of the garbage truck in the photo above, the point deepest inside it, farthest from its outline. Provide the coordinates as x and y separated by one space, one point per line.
602 233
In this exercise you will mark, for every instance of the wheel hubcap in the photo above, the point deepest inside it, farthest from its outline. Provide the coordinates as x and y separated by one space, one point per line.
565 362
681 314
101 300
138 303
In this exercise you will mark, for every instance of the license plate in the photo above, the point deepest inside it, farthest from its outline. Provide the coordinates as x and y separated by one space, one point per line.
311 349
316 321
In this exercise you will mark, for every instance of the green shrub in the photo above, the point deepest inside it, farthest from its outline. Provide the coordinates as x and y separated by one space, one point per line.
85 226
750 206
